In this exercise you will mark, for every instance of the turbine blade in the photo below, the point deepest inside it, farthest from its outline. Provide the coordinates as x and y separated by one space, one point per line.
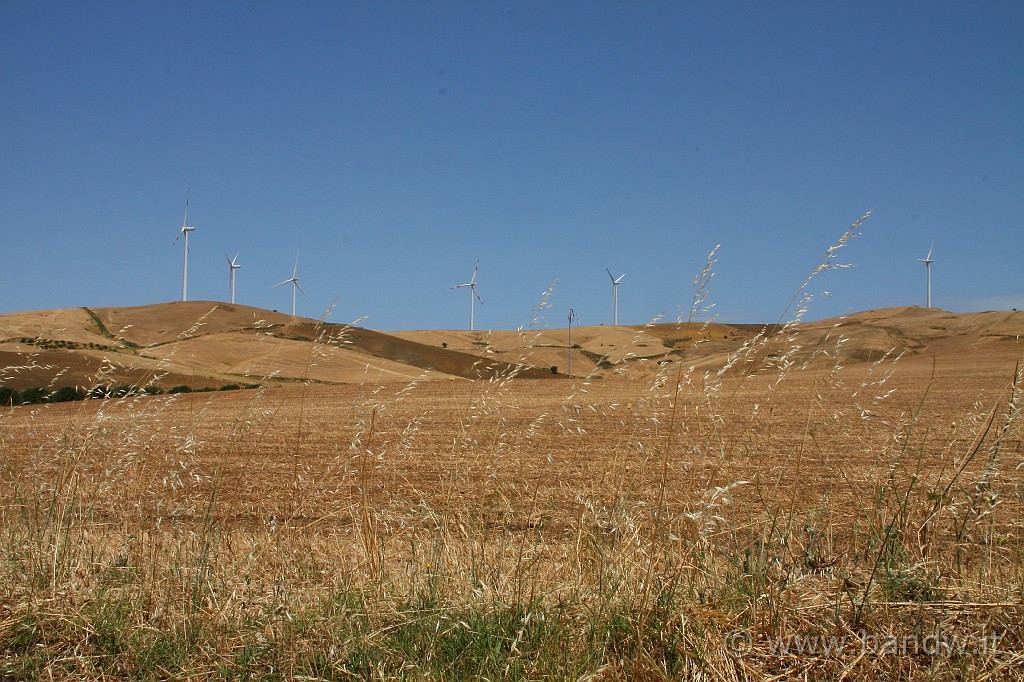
610 275
280 283
299 287
296 268
621 277
475 271
184 222
929 256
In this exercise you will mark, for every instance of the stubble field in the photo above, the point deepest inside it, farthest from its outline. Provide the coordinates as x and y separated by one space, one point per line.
825 522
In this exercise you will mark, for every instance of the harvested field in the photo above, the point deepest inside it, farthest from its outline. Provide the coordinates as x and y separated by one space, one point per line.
673 526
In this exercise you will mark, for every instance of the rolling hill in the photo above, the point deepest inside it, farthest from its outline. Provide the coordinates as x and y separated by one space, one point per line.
205 344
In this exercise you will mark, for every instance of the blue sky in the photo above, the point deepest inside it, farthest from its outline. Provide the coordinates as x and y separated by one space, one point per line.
395 143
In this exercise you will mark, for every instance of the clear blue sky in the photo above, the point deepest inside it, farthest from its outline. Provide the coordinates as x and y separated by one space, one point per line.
395 143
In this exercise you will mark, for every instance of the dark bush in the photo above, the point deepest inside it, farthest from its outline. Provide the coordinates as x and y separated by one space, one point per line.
554 369
99 392
67 394
9 397
34 396
230 387
181 389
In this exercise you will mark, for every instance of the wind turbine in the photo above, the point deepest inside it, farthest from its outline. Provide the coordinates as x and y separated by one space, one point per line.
472 293
572 318
185 229
233 265
927 260
294 281
615 294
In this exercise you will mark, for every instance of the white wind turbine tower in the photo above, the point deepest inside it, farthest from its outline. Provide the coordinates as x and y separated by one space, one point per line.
615 294
294 281
233 265
472 293
185 229
927 260
572 318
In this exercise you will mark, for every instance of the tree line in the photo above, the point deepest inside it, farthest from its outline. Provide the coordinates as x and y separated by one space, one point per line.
10 397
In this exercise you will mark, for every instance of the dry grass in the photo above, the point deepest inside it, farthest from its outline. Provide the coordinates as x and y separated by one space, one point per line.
787 518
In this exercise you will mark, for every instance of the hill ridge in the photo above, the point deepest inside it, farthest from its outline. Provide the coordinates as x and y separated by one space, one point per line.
210 343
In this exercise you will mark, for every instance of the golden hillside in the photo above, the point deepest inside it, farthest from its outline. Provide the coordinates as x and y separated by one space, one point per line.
207 344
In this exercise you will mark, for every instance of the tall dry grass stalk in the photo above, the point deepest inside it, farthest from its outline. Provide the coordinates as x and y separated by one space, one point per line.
789 514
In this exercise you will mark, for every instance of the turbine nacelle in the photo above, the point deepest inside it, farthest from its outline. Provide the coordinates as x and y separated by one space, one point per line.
472 287
293 281
927 260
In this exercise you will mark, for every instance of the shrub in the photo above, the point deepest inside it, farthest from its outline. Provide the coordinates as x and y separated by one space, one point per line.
9 397
181 389
67 394
99 391
34 396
